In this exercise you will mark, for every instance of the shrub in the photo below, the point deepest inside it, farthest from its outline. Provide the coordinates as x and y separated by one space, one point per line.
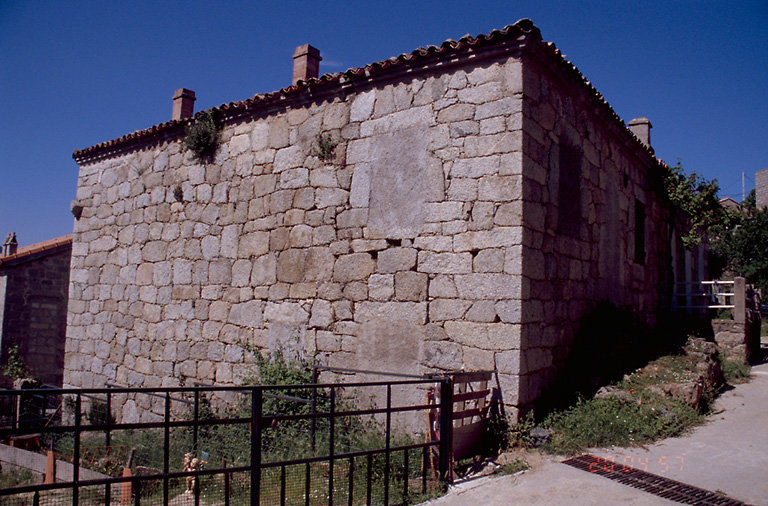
325 146
15 367
16 477
202 135
178 193
520 433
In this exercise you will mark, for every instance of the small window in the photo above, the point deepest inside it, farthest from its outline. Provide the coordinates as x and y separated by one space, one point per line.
639 232
569 191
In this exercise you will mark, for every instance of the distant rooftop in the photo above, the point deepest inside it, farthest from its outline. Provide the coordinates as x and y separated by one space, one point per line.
39 248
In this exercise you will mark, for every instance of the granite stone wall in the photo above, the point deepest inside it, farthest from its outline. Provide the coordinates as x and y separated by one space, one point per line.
761 188
470 216
33 307
402 253
595 228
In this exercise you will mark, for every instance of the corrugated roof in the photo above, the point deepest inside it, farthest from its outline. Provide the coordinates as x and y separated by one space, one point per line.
40 247
520 34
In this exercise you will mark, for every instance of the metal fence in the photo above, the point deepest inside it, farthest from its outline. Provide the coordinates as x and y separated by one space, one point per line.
287 444
715 294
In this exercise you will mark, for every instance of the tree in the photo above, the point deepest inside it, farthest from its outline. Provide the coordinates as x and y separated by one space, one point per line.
697 199
737 238
744 248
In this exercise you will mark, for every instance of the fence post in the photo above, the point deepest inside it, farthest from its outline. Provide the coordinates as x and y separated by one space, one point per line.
50 467
195 422
166 446
387 443
226 482
313 421
739 299
256 407
446 429
76 451
108 443
331 445
126 487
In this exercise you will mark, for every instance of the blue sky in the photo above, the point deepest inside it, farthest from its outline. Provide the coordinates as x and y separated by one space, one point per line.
74 74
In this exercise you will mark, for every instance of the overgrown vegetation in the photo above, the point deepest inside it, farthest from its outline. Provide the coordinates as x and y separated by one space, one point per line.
741 242
737 238
15 367
325 146
656 401
696 198
734 372
16 477
609 422
202 135
281 440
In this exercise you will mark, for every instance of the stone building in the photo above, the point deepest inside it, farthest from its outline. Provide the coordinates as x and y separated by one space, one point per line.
761 188
459 207
34 281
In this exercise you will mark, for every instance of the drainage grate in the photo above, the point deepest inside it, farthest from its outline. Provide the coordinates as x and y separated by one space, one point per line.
651 483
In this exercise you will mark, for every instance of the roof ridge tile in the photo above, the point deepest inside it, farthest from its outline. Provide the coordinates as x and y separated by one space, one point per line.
523 28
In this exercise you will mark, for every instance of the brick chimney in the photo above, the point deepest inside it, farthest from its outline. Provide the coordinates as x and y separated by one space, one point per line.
306 63
183 104
641 127
10 245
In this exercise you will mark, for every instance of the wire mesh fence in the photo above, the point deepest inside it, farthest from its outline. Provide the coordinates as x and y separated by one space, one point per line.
292 444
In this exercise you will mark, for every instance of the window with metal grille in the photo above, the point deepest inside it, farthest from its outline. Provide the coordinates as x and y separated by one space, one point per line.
639 232
569 191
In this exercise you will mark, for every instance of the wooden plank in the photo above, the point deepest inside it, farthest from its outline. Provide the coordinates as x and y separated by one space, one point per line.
467 438
468 377
468 396
459 405
484 400
468 413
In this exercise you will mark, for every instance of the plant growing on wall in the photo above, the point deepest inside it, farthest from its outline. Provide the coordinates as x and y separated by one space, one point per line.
178 193
325 146
202 134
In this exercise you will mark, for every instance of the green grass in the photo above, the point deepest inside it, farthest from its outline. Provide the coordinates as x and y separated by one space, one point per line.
16 477
642 415
735 372
513 467
666 369
612 422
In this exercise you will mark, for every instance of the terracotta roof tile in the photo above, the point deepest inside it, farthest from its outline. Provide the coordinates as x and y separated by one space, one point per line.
39 247
521 34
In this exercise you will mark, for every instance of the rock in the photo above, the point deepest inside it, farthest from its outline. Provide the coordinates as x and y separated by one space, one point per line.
539 436
689 392
613 392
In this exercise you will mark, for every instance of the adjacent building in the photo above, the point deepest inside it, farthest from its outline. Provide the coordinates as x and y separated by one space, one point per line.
34 281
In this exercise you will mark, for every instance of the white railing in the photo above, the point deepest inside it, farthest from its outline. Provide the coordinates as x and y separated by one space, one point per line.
704 295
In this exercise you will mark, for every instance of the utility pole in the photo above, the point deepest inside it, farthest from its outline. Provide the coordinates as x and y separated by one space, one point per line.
742 186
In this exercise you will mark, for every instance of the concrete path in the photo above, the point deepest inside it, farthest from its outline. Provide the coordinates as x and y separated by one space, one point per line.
728 454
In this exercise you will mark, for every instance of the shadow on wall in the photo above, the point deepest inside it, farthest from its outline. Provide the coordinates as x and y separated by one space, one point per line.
611 342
